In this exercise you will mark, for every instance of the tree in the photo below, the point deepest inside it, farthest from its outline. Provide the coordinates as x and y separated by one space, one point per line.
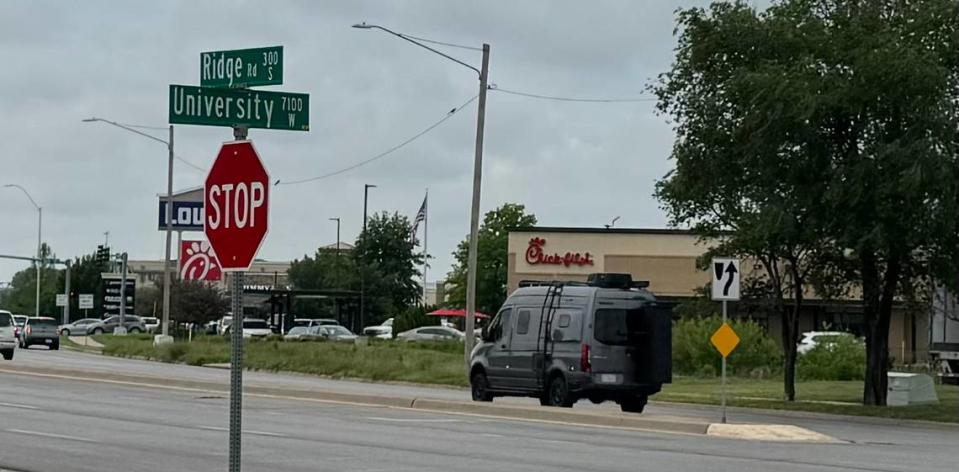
492 253
85 277
22 294
194 301
324 270
815 129
386 258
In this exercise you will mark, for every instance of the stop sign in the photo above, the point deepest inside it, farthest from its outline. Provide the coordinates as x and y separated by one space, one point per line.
236 199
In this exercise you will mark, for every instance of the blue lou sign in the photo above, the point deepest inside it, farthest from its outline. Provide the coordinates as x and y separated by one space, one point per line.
187 216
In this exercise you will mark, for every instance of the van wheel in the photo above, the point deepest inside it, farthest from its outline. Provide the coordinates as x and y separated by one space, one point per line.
558 392
8 355
479 387
633 405
55 346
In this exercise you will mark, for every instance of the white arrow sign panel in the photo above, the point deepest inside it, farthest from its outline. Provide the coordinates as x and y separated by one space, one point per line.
725 273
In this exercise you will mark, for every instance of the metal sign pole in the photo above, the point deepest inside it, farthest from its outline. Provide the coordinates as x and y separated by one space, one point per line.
236 372
724 370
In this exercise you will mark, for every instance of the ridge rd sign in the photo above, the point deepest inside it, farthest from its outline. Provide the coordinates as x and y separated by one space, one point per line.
236 198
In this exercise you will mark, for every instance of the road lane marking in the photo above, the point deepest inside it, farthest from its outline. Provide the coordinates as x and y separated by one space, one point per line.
414 420
17 405
51 435
245 431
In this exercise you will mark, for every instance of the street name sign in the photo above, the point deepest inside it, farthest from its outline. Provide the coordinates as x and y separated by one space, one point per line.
240 68
212 106
86 301
236 197
725 276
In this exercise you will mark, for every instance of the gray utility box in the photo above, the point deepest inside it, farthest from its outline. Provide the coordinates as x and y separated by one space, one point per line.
910 389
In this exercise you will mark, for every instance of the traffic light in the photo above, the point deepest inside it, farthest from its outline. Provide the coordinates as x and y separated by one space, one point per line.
103 253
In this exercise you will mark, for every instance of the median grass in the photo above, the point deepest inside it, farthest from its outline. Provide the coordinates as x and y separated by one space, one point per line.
442 364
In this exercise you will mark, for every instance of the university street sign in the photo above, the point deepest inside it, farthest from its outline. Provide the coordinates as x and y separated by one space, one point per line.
211 106
242 67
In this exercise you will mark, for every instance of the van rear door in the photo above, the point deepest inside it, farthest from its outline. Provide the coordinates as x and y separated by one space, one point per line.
632 345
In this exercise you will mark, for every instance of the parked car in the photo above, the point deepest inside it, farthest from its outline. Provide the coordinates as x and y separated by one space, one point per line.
604 340
150 323
40 330
8 340
812 339
304 333
78 327
132 323
252 328
381 331
337 333
431 333
223 326
315 322
18 321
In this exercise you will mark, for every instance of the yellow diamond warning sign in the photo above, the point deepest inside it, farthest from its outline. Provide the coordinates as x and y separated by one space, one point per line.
725 339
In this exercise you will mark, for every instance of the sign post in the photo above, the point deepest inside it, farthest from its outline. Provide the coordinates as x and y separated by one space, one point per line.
725 287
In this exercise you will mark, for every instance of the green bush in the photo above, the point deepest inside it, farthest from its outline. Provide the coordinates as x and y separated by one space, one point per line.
843 359
693 354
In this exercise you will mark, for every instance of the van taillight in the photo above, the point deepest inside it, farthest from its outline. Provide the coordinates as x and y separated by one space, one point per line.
584 364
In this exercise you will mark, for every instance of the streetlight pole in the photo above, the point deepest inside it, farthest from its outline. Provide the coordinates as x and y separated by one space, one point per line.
165 325
366 197
36 309
477 178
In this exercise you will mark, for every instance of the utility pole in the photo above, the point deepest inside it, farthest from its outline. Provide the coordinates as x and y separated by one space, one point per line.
165 326
336 266
66 289
122 328
36 309
366 196
474 214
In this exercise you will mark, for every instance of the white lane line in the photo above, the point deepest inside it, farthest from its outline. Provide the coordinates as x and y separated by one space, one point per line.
17 405
50 435
413 420
245 431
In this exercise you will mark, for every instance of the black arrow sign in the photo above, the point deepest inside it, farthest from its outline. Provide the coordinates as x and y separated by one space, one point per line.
731 270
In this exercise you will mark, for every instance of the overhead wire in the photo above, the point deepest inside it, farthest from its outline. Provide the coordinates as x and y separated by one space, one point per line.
384 153
452 45
572 99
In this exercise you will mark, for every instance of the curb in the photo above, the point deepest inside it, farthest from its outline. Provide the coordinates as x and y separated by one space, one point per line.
540 414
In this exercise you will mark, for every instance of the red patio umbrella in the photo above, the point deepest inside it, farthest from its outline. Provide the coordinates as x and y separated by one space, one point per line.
455 312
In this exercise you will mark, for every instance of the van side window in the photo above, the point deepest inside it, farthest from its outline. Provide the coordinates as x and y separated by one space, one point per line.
522 322
564 320
500 324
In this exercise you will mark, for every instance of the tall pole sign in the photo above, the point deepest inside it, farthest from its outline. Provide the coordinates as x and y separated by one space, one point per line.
725 287
236 193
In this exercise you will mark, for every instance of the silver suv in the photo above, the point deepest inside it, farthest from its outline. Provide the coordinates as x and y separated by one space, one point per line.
132 323
607 339
40 330
8 337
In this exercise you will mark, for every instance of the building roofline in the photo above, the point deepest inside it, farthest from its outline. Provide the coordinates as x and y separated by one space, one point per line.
564 229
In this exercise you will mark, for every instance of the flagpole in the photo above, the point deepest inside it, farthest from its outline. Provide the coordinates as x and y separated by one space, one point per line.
426 230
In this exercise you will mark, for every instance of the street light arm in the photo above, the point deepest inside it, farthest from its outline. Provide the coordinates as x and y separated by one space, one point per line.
403 36
25 192
118 125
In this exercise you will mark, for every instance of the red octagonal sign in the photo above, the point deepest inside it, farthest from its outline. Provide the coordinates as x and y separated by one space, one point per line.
236 199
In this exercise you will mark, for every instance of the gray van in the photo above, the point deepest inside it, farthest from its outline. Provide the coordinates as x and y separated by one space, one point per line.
606 339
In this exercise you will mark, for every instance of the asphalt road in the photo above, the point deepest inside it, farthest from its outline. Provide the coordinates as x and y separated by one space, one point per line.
49 424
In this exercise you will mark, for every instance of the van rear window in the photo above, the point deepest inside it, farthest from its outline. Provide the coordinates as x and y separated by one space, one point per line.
617 326
5 320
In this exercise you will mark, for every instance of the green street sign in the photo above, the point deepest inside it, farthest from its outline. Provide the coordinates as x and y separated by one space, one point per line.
212 106
242 67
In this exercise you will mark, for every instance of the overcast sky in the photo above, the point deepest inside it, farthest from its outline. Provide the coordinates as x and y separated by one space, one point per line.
572 164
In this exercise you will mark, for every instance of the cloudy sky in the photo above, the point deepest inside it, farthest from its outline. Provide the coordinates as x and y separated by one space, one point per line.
572 164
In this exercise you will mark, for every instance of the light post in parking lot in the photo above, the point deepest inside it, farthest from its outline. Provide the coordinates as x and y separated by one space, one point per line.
167 266
477 174
36 311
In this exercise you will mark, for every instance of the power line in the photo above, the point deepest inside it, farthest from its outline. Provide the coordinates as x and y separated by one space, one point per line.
188 163
452 45
572 99
161 128
384 153
131 125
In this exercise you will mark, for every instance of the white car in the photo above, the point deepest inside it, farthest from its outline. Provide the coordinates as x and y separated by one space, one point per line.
8 340
431 333
150 323
812 339
380 331
255 328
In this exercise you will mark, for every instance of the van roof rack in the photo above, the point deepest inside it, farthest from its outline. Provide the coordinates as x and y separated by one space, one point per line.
602 280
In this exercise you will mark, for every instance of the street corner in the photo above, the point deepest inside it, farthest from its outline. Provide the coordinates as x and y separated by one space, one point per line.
769 432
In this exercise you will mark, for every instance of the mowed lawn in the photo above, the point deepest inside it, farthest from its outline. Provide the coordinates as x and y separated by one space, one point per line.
442 364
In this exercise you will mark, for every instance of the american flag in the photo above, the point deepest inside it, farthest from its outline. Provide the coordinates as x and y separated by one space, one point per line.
420 216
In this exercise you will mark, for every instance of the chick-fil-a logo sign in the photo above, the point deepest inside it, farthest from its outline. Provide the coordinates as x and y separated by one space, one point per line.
535 255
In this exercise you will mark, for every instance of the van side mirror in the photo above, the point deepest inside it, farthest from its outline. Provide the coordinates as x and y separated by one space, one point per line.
484 334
